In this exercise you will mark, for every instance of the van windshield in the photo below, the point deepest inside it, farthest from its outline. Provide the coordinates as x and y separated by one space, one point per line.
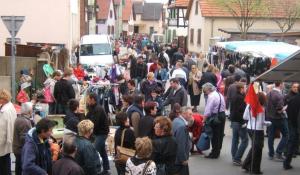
95 49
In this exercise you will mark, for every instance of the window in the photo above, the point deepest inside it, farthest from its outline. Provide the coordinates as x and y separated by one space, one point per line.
112 30
108 30
196 8
151 30
110 13
192 36
174 33
199 37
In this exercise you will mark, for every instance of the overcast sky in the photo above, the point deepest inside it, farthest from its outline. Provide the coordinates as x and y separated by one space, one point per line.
156 0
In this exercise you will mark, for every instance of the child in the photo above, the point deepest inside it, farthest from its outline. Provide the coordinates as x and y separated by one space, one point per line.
54 148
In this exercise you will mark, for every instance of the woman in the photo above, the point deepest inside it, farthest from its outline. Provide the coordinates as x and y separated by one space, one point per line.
129 138
141 164
49 90
164 146
87 156
127 100
71 120
194 91
175 111
146 123
161 73
255 128
216 71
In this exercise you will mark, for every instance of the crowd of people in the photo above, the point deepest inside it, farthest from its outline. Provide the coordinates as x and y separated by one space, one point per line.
154 120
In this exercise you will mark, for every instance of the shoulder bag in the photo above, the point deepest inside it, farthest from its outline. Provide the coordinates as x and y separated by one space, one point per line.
123 154
146 167
217 118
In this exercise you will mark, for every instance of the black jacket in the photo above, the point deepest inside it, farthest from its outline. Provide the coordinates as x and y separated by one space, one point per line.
63 91
87 156
139 71
129 138
146 126
275 103
98 116
237 108
67 166
180 97
293 110
164 152
71 121
208 77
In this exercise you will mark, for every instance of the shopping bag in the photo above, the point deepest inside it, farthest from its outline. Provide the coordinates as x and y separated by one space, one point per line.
203 143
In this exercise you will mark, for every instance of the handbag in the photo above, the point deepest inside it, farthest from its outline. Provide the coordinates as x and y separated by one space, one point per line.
217 118
203 143
123 154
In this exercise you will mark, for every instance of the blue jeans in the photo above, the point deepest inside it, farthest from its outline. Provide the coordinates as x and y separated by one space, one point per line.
237 150
282 125
100 147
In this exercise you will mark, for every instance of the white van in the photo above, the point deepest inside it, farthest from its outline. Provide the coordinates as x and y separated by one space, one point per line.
95 50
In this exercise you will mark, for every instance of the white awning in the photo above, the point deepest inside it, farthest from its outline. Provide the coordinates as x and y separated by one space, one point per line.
287 71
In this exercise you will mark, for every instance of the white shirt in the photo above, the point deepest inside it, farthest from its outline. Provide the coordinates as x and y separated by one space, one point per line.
179 73
257 123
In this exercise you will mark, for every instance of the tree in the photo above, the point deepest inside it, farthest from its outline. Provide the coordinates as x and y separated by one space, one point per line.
245 12
290 10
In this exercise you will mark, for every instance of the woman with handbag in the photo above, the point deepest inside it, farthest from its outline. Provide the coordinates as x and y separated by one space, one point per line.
164 146
141 164
193 88
124 138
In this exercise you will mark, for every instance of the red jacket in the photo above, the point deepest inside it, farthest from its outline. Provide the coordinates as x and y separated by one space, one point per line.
196 128
153 67
79 73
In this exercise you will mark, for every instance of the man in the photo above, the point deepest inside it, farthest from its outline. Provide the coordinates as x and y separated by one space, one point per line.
293 112
215 107
149 85
238 125
183 140
275 112
209 76
67 164
21 127
189 62
179 72
175 94
8 116
63 91
140 70
36 154
146 124
132 90
101 128
163 58
135 112
232 90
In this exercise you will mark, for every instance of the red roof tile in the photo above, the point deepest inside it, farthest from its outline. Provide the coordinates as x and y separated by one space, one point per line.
127 10
103 9
181 3
209 8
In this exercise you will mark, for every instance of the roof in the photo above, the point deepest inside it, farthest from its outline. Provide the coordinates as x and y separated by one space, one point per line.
152 11
189 8
181 3
255 31
210 8
138 7
127 10
117 2
103 9
287 71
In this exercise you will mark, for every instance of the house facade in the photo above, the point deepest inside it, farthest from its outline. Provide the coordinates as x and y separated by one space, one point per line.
177 24
127 18
213 22
106 18
148 18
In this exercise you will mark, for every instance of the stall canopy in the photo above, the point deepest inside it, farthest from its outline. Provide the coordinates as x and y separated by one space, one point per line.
277 50
287 71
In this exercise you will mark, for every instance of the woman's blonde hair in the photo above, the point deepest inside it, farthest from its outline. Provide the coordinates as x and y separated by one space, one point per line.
5 95
85 127
143 147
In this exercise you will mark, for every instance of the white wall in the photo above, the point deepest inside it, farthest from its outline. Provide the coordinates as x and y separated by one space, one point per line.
46 21
195 22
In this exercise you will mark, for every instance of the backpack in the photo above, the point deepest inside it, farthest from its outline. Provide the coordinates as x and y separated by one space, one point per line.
47 94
